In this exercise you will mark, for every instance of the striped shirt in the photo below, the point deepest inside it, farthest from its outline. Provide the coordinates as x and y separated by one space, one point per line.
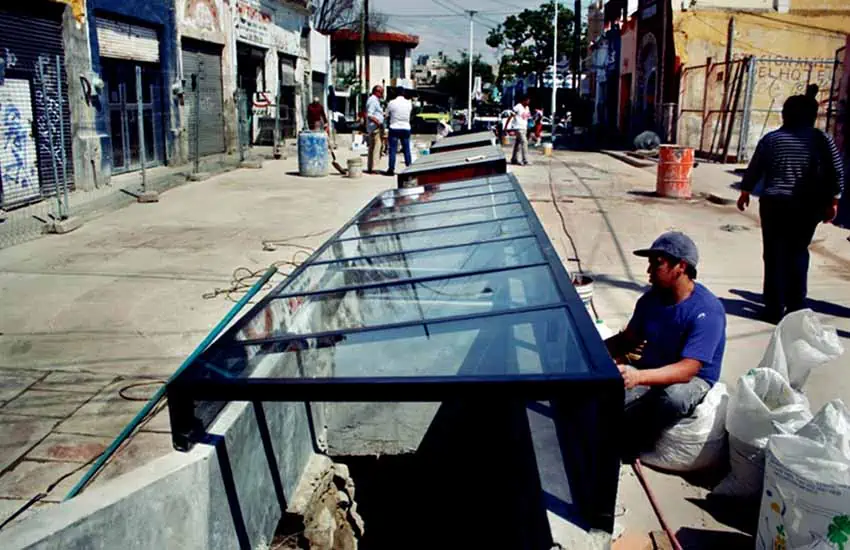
790 161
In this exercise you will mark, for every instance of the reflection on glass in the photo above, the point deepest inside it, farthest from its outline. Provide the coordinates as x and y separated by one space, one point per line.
529 343
404 242
435 193
392 267
415 223
398 208
403 302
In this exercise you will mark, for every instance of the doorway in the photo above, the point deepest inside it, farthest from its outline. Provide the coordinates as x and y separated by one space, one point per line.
120 80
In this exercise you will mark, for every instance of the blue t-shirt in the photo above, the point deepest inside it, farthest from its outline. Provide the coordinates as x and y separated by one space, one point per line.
692 329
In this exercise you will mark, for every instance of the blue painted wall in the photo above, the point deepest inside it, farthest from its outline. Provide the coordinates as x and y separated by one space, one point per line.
156 13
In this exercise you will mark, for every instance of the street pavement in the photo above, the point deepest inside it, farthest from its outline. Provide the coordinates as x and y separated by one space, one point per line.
94 320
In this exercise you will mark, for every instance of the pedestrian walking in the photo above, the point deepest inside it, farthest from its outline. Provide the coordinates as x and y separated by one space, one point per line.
803 175
374 127
518 121
333 115
538 127
398 112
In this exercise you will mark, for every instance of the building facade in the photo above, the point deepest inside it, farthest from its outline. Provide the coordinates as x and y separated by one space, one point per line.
390 64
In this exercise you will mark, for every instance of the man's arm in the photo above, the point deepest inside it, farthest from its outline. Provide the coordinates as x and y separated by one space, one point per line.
677 373
622 343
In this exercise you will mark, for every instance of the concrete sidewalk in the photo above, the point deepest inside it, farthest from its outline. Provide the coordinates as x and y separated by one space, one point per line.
93 321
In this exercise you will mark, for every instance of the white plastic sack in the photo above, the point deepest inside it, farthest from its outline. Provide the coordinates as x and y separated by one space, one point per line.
762 405
799 343
806 498
695 442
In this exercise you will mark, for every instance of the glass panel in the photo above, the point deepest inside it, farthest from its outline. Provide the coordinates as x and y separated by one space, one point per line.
404 302
529 343
399 207
442 193
446 261
415 223
403 242
117 136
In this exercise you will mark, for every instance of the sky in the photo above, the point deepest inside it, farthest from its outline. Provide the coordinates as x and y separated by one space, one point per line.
442 26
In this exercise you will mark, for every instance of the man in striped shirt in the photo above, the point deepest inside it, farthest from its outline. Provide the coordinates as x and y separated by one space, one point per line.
802 174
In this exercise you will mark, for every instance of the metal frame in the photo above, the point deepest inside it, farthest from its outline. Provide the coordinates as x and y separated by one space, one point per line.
593 396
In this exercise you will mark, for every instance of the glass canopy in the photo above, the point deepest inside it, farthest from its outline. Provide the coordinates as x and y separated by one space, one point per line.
432 287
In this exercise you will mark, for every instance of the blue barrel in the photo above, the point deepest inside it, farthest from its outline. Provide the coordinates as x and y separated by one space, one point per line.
312 154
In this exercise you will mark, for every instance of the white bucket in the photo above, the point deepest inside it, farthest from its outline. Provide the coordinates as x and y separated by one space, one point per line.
584 286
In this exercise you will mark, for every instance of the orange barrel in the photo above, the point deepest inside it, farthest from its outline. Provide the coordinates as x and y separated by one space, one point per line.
675 165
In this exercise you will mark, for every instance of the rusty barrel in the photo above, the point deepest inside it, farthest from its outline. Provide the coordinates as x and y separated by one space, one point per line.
675 165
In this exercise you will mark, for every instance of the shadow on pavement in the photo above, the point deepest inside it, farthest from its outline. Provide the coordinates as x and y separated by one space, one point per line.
606 280
818 306
692 538
732 512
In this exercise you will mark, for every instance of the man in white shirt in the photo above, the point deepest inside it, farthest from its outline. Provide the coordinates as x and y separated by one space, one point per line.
374 127
398 111
519 121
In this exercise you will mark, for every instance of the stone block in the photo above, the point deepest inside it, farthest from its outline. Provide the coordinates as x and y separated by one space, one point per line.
78 382
51 404
148 196
28 478
198 176
251 163
69 448
14 382
61 227
105 414
18 434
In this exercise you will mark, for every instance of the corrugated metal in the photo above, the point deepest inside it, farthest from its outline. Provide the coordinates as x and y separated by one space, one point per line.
212 119
28 36
120 40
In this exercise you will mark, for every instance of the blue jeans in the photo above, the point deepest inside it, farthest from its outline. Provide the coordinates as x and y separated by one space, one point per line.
650 409
404 136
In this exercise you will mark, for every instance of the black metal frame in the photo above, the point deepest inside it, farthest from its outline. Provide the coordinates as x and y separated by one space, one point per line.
570 393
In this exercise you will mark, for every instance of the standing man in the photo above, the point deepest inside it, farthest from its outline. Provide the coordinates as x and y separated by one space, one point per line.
519 121
803 177
333 114
316 118
679 327
398 111
374 127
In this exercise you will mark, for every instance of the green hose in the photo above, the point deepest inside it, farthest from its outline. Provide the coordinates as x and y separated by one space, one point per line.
160 393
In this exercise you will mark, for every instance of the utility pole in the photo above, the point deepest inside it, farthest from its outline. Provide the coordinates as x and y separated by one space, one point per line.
469 102
363 83
577 46
554 68
366 39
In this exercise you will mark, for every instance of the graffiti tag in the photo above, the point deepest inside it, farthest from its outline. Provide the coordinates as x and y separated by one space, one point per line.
15 136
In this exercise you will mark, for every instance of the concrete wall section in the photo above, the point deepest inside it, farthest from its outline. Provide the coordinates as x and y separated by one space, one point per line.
229 493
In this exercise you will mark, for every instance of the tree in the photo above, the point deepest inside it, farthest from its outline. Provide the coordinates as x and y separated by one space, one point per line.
526 40
334 15
456 80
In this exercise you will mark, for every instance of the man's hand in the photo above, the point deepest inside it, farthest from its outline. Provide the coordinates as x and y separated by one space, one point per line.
631 376
743 201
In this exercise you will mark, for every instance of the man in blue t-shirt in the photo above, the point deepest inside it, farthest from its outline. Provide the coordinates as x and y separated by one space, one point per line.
679 331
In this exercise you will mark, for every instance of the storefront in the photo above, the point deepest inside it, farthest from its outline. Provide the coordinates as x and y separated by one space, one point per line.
34 110
133 49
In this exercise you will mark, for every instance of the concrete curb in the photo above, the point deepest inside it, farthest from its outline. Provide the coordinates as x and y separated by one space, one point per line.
637 163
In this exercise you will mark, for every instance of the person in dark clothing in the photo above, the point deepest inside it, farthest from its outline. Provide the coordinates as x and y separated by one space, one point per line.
679 326
803 177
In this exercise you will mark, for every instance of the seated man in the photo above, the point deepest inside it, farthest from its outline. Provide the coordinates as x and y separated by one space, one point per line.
679 327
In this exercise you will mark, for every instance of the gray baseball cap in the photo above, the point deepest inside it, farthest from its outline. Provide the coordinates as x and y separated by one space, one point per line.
675 244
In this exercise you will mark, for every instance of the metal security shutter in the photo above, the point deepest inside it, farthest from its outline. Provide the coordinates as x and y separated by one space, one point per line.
212 119
120 40
28 36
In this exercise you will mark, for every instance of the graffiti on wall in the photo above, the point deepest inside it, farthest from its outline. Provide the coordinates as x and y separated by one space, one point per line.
18 160
201 15
776 80
48 112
